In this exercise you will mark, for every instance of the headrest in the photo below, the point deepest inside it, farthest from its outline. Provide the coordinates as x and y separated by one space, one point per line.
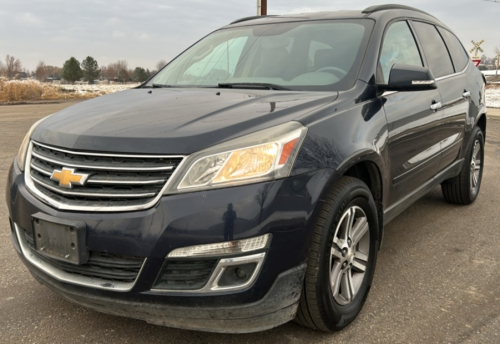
274 42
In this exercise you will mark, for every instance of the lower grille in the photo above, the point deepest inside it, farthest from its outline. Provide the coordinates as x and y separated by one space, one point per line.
185 274
109 267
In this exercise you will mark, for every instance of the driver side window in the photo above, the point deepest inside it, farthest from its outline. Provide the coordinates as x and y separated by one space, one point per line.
399 47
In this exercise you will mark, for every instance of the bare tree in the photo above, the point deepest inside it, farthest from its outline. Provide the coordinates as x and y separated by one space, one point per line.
12 66
161 64
109 72
2 68
121 69
41 71
53 72
497 59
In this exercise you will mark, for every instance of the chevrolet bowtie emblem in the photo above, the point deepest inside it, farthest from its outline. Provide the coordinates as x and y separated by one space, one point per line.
67 177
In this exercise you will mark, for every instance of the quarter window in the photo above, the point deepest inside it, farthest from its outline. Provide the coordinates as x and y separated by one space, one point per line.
458 55
399 47
435 51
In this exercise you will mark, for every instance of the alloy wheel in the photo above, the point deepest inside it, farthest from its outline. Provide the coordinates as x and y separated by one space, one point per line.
349 255
475 167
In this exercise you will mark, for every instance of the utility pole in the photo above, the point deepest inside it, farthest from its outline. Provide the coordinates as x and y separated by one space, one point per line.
261 7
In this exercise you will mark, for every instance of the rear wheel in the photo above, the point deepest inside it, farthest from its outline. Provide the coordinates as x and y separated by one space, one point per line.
342 258
464 188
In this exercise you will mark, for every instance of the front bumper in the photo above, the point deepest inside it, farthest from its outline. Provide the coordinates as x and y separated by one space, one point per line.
282 208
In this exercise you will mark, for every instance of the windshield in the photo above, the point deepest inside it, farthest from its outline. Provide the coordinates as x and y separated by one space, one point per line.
315 55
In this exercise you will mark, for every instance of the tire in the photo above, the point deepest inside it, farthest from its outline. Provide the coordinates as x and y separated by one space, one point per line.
464 188
319 307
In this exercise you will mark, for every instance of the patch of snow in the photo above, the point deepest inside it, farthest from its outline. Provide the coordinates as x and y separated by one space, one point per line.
493 97
88 90
490 72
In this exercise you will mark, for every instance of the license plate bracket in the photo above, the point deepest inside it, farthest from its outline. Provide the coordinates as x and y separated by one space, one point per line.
60 239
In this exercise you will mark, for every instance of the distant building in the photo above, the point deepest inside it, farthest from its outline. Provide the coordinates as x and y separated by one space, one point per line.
51 79
21 76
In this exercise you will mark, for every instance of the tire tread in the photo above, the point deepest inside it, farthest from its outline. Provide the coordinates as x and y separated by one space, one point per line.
310 311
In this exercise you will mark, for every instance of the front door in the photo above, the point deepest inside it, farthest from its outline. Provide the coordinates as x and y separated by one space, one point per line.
413 126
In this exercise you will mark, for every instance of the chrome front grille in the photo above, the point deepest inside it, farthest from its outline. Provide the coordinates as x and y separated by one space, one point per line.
116 182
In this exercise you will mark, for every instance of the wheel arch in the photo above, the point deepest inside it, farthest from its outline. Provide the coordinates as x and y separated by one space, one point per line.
481 123
369 173
367 166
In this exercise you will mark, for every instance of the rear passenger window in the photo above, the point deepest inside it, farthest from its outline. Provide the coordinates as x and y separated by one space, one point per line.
458 55
435 51
399 47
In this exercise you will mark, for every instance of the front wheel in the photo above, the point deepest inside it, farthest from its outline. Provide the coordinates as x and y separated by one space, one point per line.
341 259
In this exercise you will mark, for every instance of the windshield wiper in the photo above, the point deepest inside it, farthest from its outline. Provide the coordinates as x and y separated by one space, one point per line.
160 85
253 85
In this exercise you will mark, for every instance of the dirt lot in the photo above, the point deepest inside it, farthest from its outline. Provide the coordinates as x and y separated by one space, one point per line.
437 278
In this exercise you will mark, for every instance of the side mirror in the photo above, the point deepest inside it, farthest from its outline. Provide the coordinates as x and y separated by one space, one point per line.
405 77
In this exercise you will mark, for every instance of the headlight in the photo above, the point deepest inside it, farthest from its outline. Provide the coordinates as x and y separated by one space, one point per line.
21 155
264 155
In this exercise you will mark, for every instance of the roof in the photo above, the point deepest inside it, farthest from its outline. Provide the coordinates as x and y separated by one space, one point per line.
374 12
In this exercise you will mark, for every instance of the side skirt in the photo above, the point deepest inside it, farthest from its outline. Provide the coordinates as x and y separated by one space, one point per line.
398 207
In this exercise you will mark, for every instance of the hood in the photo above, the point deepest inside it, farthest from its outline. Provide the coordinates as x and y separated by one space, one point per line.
172 121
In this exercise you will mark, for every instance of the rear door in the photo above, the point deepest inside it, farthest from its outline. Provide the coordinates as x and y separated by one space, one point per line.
448 62
414 138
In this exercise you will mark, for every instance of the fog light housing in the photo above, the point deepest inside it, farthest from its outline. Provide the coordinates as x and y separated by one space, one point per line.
230 274
236 275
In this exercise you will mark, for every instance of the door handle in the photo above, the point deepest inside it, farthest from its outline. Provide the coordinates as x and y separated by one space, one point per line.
436 106
466 94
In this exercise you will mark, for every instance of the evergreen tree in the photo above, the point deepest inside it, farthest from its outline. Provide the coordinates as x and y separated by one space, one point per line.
90 69
71 70
140 75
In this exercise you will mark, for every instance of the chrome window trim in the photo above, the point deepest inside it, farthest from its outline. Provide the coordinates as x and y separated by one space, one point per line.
30 185
454 74
388 93
212 285
66 277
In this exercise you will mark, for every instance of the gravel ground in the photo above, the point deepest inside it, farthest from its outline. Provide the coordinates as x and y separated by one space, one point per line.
437 278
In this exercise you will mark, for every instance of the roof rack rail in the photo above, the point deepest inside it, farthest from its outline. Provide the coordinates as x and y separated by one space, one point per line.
377 8
249 18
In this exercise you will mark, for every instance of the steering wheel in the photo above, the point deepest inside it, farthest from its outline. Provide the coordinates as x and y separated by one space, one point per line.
333 70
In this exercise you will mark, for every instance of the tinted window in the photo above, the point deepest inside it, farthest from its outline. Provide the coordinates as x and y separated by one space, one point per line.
222 59
459 56
317 55
435 51
314 48
399 47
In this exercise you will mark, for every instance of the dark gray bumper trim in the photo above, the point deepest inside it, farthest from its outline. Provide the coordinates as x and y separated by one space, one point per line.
277 307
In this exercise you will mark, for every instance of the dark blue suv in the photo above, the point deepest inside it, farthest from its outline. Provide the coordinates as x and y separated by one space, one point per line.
248 182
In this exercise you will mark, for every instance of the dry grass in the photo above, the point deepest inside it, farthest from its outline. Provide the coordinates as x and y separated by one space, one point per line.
31 90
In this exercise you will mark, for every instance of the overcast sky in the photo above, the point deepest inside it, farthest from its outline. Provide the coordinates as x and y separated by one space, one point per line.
144 32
